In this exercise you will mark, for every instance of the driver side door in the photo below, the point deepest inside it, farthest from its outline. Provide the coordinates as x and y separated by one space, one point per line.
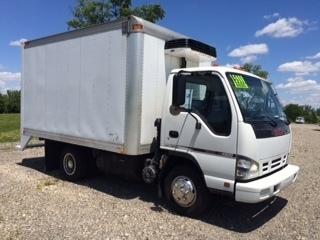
215 144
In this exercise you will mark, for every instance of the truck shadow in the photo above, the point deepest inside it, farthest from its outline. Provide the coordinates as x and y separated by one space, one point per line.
225 213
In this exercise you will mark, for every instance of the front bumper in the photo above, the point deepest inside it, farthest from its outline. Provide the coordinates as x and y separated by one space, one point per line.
264 188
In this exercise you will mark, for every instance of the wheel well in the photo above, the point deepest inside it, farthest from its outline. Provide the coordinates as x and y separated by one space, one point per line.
175 159
53 150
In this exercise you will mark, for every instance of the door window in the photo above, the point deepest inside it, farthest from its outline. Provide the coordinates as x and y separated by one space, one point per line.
206 96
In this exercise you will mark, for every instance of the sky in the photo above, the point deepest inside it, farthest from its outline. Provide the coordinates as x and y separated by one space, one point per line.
281 36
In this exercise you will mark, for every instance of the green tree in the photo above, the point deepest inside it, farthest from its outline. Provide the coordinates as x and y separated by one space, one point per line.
308 112
307 109
255 69
13 102
88 12
293 111
2 103
314 117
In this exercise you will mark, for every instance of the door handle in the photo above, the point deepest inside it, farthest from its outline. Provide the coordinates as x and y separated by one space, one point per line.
173 134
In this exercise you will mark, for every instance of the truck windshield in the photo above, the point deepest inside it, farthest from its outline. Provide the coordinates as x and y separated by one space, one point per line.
257 98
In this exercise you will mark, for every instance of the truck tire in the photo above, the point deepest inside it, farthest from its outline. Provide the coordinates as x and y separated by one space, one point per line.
73 163
185 191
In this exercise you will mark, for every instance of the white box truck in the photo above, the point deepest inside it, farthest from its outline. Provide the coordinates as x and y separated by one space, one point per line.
133 98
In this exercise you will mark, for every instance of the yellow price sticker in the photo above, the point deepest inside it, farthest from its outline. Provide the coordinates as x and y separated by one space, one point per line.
239 81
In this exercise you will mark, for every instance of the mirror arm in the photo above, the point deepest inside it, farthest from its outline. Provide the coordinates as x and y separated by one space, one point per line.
198 124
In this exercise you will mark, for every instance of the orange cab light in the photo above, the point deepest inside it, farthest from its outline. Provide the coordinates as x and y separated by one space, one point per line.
137 27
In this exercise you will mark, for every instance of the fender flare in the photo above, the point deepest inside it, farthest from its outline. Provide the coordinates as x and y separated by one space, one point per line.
181 155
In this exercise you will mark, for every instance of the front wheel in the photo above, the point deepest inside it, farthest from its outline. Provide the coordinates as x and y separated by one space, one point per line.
185 191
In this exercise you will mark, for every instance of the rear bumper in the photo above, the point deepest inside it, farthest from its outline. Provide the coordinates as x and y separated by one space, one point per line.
264 188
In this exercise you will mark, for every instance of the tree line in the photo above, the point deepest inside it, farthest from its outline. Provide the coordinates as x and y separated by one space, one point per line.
10 101
89 12
310 114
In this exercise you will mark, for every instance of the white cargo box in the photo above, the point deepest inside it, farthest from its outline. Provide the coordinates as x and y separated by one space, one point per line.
100 87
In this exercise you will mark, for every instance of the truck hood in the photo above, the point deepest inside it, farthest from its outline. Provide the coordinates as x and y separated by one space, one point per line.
260 149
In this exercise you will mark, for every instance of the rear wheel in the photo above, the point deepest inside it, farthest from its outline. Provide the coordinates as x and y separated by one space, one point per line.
73 163
185 191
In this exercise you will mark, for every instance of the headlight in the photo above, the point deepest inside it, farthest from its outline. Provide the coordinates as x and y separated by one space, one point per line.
246 169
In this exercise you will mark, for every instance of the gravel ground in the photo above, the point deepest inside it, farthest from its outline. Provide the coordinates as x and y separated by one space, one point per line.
38 205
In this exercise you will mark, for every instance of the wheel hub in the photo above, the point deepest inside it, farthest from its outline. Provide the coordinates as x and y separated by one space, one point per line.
183 191
69 164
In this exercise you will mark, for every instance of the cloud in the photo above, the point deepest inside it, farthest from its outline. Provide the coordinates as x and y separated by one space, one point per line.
2 85
9 76
249 59
9 80
283 27
18 43
301 91
251 49
300 67
274 15
298 84
250 52
316 56
233 65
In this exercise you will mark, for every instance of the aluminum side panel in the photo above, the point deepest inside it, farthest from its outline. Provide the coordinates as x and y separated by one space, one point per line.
102 95
153 86
76 87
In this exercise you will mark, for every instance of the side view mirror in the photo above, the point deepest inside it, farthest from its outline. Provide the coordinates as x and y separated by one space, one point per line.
179 91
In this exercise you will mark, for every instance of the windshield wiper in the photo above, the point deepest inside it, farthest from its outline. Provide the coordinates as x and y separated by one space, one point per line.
272 122
284 120
287 121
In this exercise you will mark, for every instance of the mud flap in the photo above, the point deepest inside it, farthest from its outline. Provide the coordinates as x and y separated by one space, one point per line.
160 194
52 154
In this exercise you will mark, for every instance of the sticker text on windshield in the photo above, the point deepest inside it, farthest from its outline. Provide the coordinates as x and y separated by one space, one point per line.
239 81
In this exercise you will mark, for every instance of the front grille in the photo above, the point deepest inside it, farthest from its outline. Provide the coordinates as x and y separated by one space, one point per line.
274 164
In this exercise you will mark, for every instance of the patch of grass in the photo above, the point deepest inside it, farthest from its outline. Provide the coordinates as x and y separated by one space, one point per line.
46 183
9 127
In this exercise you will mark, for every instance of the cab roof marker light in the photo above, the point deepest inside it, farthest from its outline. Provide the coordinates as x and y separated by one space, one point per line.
137 27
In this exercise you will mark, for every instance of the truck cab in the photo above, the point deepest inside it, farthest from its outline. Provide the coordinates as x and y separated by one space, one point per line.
231 125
